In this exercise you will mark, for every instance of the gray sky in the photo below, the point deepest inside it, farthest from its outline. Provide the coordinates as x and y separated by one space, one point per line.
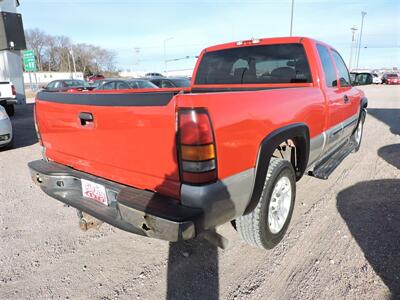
124 25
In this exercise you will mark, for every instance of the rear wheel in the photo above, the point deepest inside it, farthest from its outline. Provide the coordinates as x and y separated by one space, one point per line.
266 225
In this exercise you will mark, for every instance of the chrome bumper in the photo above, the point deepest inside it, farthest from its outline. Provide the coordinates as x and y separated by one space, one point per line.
137 211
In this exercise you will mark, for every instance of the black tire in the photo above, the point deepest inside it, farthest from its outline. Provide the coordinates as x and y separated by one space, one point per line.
359 130
253 227
10 109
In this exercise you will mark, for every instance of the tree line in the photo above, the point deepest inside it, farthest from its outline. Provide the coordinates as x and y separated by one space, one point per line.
57 53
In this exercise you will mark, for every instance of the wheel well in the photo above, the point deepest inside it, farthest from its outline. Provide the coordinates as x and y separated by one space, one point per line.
294 138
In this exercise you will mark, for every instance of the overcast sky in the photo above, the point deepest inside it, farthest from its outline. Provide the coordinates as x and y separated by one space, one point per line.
123 25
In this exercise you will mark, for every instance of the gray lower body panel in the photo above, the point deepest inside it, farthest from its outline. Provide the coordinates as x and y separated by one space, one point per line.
221 201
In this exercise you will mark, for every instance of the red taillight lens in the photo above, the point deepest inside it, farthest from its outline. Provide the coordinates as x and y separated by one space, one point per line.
13 90
195 128
196 147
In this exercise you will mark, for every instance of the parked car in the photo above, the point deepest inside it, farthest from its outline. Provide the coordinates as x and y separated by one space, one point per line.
64 85
170 165
6 134
93 78
119 84
390 78
376 79
153 74
171 82
8 97
362 78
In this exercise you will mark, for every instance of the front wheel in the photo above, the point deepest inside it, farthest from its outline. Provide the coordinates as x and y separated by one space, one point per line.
266 225
357 134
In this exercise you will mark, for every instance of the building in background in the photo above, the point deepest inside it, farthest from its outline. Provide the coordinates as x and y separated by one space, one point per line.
10 60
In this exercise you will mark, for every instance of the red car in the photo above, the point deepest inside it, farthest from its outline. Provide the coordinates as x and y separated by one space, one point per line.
391 78
93 78
174 164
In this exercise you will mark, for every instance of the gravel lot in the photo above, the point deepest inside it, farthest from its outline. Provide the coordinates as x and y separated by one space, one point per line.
343 242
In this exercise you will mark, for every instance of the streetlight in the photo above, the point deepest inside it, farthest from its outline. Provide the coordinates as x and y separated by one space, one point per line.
363 13
291 19
165 53
353 31
71 51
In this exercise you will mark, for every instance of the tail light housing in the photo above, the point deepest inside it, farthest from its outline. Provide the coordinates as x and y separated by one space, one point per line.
196 147
13 90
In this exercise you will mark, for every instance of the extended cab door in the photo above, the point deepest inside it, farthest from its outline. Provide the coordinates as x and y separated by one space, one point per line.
335 97
351 96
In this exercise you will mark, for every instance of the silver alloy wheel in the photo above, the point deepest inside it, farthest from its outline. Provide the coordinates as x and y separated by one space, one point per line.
279 204
358 132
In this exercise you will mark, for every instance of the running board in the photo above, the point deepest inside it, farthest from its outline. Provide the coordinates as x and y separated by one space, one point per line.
327 166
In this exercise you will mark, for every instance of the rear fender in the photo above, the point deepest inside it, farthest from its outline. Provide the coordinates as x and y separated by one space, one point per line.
300 135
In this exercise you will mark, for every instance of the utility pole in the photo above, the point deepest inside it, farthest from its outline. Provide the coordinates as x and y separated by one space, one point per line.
73 61
165 53
353 31
363 13
291 19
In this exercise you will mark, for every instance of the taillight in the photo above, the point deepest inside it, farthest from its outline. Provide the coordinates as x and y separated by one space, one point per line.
197 155
13 90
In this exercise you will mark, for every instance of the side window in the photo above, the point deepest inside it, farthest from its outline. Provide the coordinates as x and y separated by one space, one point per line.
166 84
120 85
327 65
57 85
51 85
344 77
109 86
157 83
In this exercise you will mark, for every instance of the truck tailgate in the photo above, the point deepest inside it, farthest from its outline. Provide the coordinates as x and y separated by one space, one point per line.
130 139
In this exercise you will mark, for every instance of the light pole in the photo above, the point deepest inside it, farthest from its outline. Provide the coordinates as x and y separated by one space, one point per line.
291 19
165 53
73 61
363 13
353 31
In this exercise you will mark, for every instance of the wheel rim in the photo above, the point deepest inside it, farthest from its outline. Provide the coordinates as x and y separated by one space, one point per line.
358 132
279 204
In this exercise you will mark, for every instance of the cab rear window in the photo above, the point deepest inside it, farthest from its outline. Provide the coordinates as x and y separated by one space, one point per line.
281 63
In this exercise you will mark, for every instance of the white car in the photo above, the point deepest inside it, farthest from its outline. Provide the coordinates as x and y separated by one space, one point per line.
6 135
376 79
8 96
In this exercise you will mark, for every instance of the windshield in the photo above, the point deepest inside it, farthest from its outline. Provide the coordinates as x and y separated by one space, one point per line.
392 76
75 83
142 84
180 82
283 63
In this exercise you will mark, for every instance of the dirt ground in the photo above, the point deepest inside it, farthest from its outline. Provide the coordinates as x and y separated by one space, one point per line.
343 241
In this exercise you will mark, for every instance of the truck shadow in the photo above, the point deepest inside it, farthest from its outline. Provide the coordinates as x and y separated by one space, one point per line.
192 270
371 210
24 132
390 116
391 154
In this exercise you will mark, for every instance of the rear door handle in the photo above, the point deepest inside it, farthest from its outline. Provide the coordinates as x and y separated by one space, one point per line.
345 99
85 118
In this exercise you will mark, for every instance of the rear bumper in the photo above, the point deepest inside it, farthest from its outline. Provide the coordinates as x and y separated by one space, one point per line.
140 212
8 101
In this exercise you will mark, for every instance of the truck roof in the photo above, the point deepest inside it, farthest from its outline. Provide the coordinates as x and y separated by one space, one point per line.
261 41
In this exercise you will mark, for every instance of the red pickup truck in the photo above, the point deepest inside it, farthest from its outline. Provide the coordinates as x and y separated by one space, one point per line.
175 163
